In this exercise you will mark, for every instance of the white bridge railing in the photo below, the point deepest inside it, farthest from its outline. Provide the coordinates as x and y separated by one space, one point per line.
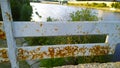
34 29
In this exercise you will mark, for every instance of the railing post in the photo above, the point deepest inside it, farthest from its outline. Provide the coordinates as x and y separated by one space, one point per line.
11 43
112 40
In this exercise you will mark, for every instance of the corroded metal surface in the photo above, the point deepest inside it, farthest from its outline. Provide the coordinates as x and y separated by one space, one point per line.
78 28
2 33
62 51
28 29
3 55
99 50
24 29
41 52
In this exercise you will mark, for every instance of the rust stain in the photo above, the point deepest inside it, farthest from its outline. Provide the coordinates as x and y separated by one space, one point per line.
32 54
54 52
62 52
56 29
99 50
37 30
83 50
51 52
66 51
4 55
41 25
2 34
9 16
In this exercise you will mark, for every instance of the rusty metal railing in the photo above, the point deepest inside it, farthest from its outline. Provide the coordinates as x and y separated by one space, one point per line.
34 29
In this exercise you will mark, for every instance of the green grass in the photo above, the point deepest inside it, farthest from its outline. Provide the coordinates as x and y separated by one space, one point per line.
48 63
66 40
22 64
89 4
101 6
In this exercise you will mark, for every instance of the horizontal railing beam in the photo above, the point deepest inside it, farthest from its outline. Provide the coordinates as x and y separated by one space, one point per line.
32 29
58 51
36 29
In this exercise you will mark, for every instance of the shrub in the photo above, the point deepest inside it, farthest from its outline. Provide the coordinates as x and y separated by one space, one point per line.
90 4
116 5
102 5
26 10
83 15
94 4
49 19
98 5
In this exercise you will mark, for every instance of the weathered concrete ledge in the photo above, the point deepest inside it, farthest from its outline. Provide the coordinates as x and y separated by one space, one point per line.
93 65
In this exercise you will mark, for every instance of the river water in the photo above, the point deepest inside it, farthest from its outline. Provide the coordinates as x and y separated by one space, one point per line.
62 12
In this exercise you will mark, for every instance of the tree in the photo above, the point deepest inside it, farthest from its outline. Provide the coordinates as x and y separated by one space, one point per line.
83 15
19 9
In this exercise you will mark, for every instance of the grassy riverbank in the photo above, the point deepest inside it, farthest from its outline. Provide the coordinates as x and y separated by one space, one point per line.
101 6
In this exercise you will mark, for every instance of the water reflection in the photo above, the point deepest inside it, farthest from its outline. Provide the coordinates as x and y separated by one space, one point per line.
61 12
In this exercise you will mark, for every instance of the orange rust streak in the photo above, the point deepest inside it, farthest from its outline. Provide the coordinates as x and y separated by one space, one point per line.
83 50
61 52
99 50
51 52
2 34
54 52
3 55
